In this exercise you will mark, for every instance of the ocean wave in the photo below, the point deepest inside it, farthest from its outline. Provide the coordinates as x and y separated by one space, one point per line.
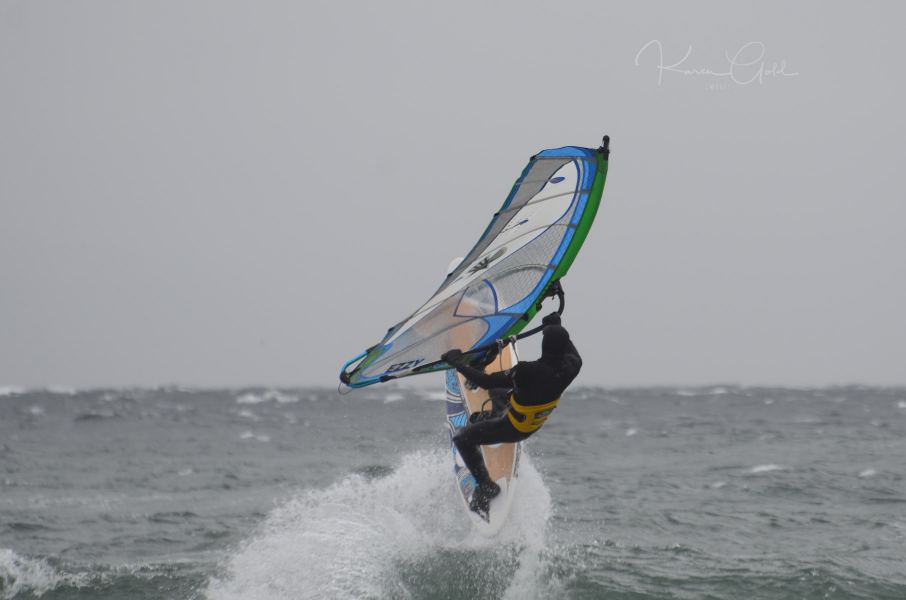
15 390
21 575
96 415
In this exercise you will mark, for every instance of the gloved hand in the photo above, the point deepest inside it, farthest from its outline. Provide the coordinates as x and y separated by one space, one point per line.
488 358
551 319
452 357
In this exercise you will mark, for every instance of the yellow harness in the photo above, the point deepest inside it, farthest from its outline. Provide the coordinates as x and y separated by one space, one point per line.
528 419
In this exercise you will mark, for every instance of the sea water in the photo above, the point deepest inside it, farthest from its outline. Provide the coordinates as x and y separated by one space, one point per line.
715 492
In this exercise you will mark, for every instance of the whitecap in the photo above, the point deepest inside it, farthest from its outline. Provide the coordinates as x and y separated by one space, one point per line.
631 431
717 391
250 398
249 435
267 396
36 410
766 468
393 397
280 397
900 404
21 576
868 473
247 414
11 390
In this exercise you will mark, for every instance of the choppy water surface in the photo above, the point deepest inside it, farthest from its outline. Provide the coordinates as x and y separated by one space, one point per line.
271 494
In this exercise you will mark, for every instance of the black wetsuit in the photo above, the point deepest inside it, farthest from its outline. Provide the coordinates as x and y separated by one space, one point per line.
533 383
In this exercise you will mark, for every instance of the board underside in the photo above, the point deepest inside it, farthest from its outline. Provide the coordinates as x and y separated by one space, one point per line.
502 460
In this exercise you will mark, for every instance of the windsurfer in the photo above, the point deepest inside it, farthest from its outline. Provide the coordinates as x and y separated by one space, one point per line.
534 391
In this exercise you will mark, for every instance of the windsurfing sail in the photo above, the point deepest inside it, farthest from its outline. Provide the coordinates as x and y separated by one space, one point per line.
496 289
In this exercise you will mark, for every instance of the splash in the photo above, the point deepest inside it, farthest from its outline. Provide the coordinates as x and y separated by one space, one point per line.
403 536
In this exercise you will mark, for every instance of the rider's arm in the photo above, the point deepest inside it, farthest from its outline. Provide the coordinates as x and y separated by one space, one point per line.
500 379
554 319
571 349
572 359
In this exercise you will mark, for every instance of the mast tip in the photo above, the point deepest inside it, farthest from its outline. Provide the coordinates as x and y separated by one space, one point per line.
605 146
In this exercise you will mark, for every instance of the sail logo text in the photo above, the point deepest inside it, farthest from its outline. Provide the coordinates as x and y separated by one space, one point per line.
409 364
486 261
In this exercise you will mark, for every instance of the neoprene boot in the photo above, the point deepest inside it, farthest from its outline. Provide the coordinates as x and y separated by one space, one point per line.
482 496
484 492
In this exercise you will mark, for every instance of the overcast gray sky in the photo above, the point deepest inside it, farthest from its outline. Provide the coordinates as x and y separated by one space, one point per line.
223 193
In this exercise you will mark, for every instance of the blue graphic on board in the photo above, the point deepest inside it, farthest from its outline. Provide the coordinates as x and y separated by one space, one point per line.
457 418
